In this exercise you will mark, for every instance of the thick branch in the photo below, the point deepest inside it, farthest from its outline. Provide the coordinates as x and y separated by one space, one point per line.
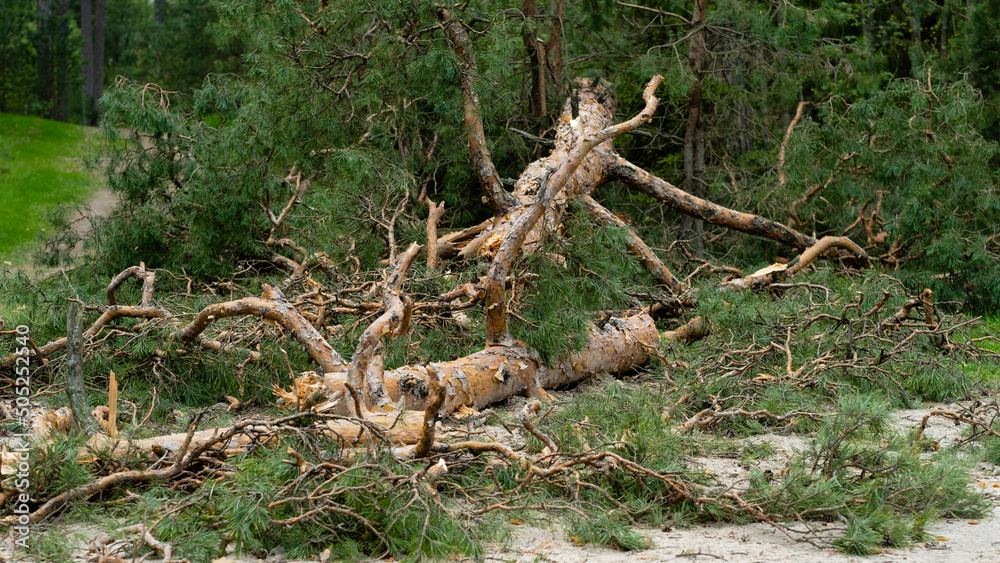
148 279
716 214
647 257
274 307
434 215
493 286
777 272
109 315
366 374
498 199
691 331
782 177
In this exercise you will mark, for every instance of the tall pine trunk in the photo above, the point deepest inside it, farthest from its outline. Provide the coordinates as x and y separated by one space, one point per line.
87 57
98 83
694 141
60 110
45 89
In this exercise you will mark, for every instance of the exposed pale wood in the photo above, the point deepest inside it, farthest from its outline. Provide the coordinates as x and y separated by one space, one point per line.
695 329
551 177
498 372
365 373
434 215
776 272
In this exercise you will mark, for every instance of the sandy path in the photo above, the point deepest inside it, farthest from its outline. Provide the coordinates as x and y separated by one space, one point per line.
958 541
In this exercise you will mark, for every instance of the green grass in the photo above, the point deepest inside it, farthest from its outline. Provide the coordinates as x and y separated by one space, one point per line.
41 165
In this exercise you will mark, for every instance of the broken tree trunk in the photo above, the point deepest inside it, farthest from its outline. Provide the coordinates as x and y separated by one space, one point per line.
75 393
581 161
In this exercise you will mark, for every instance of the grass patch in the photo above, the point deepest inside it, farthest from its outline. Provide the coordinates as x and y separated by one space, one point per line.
41 165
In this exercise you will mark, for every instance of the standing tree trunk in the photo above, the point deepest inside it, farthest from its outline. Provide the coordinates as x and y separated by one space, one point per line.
694 141
538 55
75 392
916 39
60 110
554 46
160 11
87 57
45 89
536 61
945 19
98 78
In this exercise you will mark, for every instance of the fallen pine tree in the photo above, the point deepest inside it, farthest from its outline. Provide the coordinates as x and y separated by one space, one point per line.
369 410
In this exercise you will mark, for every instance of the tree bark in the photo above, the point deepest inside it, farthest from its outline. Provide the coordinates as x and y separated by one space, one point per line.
497 198
366 372
46 85
60 109
435 211
272 306
694 141
87 57
554 45
537 60
625 171
647 257
76 394
555 181
98 83
916 39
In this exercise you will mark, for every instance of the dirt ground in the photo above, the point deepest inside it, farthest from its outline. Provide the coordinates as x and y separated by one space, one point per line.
957 541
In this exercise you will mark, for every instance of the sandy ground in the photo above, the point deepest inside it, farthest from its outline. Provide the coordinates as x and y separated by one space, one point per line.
100 205
958 541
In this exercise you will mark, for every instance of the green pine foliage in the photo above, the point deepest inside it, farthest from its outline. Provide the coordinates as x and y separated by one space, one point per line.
579 273
915 155
857 469
357 119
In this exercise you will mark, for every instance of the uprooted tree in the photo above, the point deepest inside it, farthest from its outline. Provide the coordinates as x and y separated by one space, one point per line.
582 160
169 176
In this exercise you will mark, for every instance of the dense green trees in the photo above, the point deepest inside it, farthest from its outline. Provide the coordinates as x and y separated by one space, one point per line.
47 47
763 101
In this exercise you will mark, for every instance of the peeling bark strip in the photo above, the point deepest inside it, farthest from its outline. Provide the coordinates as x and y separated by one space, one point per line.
686 203
647 257
576 145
